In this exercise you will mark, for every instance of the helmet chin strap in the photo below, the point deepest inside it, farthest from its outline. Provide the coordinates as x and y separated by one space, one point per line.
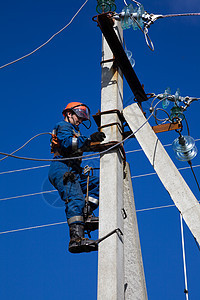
86 125
81 123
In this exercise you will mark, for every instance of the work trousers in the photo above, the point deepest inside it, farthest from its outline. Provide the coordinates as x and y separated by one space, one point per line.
73 191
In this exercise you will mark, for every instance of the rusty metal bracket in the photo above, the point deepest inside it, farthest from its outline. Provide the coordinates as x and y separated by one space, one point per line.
111 124
159 128
98 147
97 117
167 127
117 231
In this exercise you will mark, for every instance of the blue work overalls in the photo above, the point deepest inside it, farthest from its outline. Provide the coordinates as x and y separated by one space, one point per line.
72 192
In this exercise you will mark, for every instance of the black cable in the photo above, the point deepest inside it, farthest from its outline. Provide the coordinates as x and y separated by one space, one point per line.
190 163
84 156
188 130
196 243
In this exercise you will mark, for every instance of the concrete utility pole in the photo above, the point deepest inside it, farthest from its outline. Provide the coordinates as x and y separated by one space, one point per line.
170 177
117 254
110 253
134 279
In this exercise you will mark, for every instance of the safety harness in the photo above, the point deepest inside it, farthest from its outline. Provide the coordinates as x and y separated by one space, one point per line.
56 147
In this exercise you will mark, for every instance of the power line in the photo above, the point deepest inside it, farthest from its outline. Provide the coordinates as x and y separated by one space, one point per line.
154 208
89 155
180 15
12 62
89 158
167 145
39 134
59 223
38 167
65 222
51 191
154 173
25 169
28 195
32 227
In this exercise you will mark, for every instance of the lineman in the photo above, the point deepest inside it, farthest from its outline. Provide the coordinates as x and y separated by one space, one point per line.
67 176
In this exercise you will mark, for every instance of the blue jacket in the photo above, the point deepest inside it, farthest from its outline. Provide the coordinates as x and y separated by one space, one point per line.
67 134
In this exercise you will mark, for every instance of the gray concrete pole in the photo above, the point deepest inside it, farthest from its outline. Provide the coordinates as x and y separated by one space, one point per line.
110 253
170 177
134 279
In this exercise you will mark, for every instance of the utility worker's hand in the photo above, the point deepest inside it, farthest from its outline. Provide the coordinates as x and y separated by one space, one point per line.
97 136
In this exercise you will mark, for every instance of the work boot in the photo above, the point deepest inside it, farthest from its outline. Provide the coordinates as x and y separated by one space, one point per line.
78 243
91 221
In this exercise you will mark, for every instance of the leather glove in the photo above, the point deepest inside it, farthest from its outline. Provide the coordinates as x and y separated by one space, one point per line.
97 136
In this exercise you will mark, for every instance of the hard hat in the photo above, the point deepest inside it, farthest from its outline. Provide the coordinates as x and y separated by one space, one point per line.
80 109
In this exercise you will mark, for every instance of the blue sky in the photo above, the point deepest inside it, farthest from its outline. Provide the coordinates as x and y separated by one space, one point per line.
35 263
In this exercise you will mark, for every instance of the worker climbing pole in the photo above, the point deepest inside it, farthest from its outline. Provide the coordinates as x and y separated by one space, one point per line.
68 178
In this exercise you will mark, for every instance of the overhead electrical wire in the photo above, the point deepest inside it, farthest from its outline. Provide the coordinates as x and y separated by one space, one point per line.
148 20
138 3
97 157
142 175
196 180
38 167
32 227
25 169
184 258
39 134
14 61
154 173
89 155
180 15
59 223
51 191
65 222
28 195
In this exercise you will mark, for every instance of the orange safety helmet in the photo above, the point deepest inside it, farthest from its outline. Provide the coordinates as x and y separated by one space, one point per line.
80 109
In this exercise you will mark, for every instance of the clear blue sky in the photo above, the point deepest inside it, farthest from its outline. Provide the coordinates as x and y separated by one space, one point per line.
35 263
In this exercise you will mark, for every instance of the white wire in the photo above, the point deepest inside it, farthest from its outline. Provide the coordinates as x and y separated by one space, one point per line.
12 62
28 195
138 3
51 191
58 223
32 168
39 134
184 260
154 173
84 156
26 169
33 227
127 152
153 208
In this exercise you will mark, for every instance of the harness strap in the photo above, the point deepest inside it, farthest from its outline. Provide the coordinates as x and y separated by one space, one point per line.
75 219
93 200
74 143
